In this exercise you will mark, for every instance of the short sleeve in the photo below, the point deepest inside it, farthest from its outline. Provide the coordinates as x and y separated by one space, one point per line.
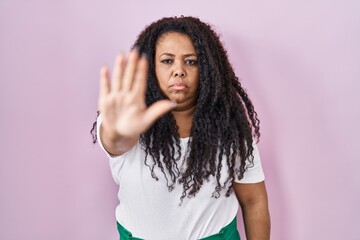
116 162
254 172
99 120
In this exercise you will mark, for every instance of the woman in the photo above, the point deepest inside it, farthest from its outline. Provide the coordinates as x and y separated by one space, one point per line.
179 131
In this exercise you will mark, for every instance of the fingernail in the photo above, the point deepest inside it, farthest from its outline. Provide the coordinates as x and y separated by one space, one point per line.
119 58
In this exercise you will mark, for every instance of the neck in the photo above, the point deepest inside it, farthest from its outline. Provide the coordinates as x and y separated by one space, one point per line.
183 120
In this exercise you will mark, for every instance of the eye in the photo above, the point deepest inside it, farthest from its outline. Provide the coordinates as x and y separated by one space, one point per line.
191 62
166 61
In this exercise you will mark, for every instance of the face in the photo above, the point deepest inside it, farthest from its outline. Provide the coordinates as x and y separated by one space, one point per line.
177 69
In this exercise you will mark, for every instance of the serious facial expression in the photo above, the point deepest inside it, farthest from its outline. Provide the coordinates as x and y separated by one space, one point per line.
176 68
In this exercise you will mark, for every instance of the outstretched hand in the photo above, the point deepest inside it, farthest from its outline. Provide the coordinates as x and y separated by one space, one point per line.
122 100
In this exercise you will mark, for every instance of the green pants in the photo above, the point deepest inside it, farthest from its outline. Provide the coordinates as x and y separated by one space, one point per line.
228 232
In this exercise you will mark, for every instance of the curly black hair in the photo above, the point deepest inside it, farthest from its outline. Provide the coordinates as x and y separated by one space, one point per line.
224 125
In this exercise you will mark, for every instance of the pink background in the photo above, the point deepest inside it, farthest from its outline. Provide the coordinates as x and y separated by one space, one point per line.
299 61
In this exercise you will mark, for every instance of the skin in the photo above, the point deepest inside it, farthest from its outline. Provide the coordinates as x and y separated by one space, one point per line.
122 104
126 116
177 71
254 205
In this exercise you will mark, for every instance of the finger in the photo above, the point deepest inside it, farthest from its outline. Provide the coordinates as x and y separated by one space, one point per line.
158 109
118 72
130 70
139 85
104 87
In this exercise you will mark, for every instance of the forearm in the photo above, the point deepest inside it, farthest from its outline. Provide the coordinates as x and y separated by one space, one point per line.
256 221
114 143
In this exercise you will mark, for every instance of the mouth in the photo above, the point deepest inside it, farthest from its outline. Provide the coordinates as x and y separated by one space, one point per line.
178 86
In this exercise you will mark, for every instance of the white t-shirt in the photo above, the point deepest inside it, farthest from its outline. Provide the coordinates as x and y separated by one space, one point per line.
149 211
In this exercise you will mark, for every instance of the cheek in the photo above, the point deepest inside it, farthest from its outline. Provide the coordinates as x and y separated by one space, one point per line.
161 79
195 79
197 87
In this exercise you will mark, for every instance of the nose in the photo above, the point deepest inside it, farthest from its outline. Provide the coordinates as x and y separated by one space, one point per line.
180 74
179 71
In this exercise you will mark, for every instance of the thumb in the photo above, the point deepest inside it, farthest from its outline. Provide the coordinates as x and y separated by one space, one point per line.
158 109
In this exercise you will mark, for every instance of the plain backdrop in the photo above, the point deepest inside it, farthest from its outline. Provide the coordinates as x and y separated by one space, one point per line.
298 60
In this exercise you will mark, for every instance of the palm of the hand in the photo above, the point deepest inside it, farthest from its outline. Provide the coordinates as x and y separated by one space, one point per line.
122 102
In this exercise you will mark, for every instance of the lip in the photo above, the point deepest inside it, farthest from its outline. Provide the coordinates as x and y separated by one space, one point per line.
178 86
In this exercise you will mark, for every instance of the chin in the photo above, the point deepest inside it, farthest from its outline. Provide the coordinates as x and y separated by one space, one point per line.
176 99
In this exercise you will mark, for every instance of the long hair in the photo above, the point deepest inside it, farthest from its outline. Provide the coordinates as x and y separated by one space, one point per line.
224 125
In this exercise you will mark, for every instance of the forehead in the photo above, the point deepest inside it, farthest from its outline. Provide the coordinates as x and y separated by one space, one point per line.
175 41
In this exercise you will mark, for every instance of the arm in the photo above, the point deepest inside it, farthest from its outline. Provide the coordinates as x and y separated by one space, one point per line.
254 204
122 104
115 144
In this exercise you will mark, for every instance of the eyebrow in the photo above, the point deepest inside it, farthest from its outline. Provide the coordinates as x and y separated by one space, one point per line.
172 55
